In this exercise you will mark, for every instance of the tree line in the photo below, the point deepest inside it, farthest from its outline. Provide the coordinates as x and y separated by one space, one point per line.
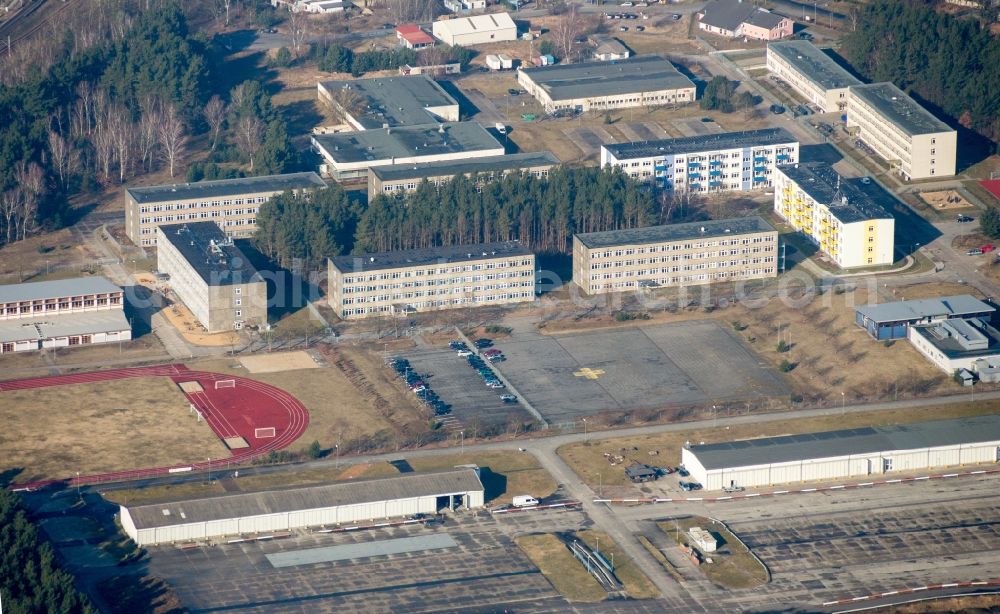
953 63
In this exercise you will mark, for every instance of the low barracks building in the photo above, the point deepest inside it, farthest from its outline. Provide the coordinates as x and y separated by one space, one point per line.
407 177
231 203
675 255
811 73
429 279
211 276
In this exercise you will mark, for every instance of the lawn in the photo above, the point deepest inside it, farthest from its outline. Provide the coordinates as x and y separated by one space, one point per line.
636 584
732 566
35 364
558 564
101 427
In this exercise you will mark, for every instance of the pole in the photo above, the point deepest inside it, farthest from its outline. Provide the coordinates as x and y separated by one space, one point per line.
210 470
462 434
843 403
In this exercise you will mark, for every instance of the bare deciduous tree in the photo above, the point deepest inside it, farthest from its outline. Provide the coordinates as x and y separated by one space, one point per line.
10 206
298 30
172 137
570 26
149 130
65 158
215 114
250 132
31 179
122 134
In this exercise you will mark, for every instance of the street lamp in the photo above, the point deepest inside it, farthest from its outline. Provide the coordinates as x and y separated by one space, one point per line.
336 449
715 416
462 435
843 403
77 484
210 470
584 428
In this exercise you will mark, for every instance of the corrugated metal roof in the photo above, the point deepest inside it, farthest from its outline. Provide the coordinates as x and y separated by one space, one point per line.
809 446
40 290
419 170
650 73
242 505
477 24
346 552
915 310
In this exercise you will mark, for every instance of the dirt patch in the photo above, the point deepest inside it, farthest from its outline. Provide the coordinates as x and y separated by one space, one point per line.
282 361
181 318
968 241
945 200
561 568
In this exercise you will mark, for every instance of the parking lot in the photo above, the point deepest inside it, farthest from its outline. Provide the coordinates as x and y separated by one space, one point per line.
570 376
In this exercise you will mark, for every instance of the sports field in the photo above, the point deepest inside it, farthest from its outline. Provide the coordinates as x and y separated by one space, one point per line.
100 427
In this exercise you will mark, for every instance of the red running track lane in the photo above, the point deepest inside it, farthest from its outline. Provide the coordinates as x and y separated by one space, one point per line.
230 412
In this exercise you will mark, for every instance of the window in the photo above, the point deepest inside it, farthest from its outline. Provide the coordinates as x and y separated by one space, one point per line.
239 313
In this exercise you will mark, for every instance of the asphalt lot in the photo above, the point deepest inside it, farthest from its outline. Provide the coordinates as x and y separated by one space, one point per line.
645 367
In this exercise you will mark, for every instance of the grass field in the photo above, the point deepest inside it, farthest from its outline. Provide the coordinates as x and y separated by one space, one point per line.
36 364
587 458
636 584
101 427
732 566
566 574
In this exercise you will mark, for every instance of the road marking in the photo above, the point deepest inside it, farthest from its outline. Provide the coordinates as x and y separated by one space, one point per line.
976 472
866 484
589 373
950 475
755 494
890 593
950 585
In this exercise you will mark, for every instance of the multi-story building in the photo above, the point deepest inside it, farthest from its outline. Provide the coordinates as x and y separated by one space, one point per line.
675 255
846 224
211 276
736 18
231 203
62 313
407 177
916 144
706 163
386 102
642 81
811 73
417 280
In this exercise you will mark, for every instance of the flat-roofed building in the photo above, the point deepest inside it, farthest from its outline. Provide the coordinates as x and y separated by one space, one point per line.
811 73
675 255
475 30
642 81
386 102
61 313
407 177
959 344
231 203
349 155
434 278
846 224
706 163
916 144
891 320
211 276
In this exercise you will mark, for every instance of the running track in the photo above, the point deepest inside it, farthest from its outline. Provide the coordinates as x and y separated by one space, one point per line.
230 412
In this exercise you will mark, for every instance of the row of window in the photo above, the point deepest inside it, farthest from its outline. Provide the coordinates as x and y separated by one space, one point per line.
673 281
204 215
446 281
680 95
381 298
11 310
608 264
213 203
439 303
674 247
502 264
687 267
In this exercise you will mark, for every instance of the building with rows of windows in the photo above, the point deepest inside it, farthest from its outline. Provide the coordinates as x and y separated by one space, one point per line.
407 177
434 278
675 255
231 203
811 73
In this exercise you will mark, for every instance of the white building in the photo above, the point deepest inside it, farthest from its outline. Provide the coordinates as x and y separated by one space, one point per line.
851 453
846 224
607 48
62 313
464 6
958 344
386 102
342 503
811 73
475 30
499 62
731 161
311 6
702 539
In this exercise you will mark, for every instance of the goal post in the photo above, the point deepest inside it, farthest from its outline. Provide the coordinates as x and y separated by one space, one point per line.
225 383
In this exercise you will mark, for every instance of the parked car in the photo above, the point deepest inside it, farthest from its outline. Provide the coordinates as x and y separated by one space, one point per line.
626 4
681 471
640 28
491 352
623 28
514 92
508 398
987 249
866 180
689 486
465 352
483 343
777 109
675 17
496 358
495 384
964 218
975 251
457 345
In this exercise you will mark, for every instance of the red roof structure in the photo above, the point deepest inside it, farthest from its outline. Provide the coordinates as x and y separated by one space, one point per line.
992 186
412 33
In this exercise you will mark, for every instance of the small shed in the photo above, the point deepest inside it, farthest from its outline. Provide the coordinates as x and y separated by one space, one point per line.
637 472
543 60
499 62
703 539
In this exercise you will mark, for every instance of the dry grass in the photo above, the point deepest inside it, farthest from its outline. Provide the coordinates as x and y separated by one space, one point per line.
636 584
23 261
101 427
557 563
80 358
587 460
732 566
170 492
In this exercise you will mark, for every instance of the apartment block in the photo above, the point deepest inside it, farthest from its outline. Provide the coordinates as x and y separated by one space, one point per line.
211 276
731 161
846 224
811 73
916 144
417 280
675 255
407 177
232 204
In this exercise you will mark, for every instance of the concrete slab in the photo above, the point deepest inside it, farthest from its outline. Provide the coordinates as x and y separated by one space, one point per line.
362 550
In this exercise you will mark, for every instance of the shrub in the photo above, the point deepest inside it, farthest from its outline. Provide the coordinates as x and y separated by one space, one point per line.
497 329
888 343
314 450
628 316
786 366
738 326
783 347
795 398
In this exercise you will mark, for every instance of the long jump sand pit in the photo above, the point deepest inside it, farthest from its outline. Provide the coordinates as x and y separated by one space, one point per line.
282 361
100 427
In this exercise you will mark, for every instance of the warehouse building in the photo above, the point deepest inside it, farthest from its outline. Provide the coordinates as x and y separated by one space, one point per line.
811 73
417 280
475 30
385 102
846 224
243 513
730 161
966 346
349 155
644 81
891 320
675 255
407 177
61 313
231 203
916 144
832 455
211 276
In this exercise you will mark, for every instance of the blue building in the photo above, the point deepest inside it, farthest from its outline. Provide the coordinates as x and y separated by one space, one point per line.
891 320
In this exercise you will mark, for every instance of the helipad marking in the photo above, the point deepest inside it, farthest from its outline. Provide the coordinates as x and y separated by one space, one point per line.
589 373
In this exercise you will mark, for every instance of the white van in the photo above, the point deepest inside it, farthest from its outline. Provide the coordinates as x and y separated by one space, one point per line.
524 501
502 129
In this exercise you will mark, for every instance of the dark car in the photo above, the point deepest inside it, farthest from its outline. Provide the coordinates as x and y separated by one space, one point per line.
514 92
777 109
964 218
689 486
483 343
681 471
457 345
508 398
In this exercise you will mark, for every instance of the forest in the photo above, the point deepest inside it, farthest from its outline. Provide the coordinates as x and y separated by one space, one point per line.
950 62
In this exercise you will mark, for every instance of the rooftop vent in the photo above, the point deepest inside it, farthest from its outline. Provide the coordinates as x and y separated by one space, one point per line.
372 259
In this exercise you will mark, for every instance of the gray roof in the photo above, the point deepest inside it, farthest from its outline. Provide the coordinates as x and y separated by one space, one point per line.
40 290
647 73
921 309
607 44
847 202
900 109
675 232
430 255
813 64
210 253
395 172
730 14
865 440
226 187
292 499
395 101
64 325
764 137
407 142
959 338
